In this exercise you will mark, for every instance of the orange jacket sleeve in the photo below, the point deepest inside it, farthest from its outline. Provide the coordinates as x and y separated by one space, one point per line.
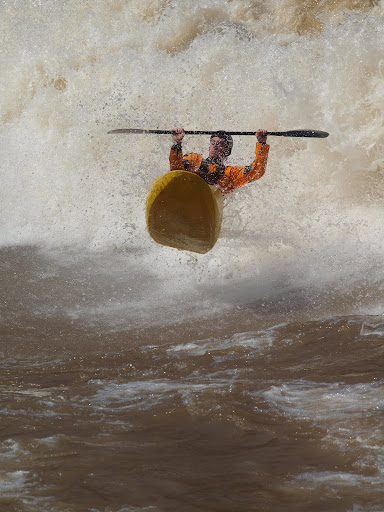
190 162
176 158
235 177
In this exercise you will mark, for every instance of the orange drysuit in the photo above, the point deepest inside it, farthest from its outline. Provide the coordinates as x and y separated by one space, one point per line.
226 178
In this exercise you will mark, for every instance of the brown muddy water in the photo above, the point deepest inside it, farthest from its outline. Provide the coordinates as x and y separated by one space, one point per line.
247 413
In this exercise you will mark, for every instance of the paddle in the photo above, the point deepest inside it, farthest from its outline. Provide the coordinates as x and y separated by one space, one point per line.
291 133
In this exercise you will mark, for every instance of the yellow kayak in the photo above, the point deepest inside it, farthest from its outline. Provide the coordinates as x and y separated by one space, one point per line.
183 211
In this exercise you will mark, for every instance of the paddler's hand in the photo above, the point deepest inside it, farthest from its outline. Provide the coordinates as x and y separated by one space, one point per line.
178 134
261 136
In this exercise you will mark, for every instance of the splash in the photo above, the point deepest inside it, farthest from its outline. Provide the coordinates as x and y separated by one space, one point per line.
80 70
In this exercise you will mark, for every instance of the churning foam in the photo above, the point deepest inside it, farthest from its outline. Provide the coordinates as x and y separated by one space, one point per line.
80 70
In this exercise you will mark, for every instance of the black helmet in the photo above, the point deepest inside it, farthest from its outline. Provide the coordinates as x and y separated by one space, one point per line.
226 136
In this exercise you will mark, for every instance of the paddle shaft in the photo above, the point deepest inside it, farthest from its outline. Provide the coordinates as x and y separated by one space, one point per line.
290 133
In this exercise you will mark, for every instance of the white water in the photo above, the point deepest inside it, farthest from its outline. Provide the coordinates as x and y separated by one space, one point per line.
80 69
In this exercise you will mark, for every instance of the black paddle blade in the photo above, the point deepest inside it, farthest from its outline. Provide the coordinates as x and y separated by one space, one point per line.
291 133
301 133
162 132
138 130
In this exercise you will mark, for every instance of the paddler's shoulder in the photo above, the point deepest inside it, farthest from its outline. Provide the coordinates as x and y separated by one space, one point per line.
192 161
192 156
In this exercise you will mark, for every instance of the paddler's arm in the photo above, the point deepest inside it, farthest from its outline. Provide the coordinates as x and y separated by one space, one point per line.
176 154
257 169
258 166
235 177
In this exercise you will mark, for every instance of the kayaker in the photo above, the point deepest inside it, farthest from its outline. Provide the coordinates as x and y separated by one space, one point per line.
213 169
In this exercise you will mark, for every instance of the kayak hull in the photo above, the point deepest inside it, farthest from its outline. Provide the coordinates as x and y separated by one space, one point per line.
184 212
